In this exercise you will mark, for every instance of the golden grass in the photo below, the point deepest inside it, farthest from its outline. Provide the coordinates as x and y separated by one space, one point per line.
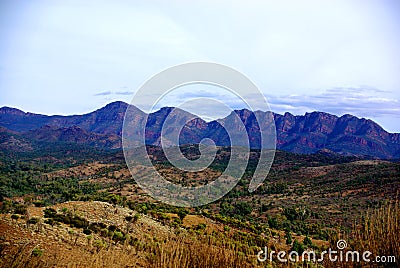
379 233
175 251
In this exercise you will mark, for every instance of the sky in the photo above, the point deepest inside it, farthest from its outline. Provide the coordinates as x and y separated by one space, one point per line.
72 57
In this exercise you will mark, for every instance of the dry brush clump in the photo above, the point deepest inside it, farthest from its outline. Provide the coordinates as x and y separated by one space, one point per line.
379 233
185 252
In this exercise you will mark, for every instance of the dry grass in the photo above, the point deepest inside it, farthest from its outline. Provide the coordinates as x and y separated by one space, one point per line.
186 253
379 233
172 252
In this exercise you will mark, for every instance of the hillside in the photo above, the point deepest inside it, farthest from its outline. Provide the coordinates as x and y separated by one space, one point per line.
82 207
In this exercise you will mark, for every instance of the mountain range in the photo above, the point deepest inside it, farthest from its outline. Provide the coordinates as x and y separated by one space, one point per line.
309 133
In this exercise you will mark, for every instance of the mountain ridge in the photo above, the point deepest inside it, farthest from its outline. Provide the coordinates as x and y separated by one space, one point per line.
308 133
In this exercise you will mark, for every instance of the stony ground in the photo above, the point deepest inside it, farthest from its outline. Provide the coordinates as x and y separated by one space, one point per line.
71 244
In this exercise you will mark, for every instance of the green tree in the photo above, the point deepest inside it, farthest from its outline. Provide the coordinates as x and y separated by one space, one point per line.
307 241
288 237
243 208
298 247
182 213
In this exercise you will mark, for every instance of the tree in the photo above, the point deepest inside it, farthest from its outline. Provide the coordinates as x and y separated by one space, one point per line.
307 241
288 237
182 213
298 247
243 208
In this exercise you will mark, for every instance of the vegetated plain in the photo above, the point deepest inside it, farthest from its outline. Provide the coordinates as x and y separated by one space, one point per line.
78 206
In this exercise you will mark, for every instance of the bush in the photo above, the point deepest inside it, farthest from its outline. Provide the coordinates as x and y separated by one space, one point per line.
112 228
87 231
99 244
49 212
95 227
104 232
200 226
49 221
307 241
39 203
79 222
118 236
20 209
298 247
243 208
182 213
288 237
62 218
33 220
37 252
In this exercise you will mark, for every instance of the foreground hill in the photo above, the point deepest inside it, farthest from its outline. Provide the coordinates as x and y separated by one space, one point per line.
309 133
81 208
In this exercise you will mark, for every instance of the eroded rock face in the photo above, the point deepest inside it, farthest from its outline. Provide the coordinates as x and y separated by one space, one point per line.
309 133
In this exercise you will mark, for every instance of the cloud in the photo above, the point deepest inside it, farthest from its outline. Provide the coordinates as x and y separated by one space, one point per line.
108 93
105 93
124 93
362 101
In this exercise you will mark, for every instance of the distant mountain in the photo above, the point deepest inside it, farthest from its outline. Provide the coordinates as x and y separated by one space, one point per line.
107 120
309 133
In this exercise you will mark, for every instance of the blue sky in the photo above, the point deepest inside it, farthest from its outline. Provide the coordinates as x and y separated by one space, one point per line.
71 57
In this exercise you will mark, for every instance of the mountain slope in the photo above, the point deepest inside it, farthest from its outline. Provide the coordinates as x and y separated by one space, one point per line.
107 120
74 134
309 133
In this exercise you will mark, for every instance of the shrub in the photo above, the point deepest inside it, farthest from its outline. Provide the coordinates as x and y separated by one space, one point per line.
49 221
62 218
87 231
307 241
37 252
104 232
288 237
243 208
273 223
39 203
182 213
99 244
79 222
20 209
96 226
112 228
49 212
298 247
33 220
200 226
118 236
